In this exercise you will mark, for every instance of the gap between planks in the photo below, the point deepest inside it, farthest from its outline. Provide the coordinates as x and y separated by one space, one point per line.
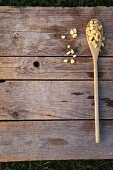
42 80
54 120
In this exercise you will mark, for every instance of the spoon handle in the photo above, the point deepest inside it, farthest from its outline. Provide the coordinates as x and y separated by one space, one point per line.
97 134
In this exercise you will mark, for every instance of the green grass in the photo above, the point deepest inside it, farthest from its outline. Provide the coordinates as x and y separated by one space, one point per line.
57 2
58 165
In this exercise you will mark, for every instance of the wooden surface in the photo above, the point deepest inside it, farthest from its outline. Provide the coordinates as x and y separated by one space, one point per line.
24 100
37 31
54 68
47 112
34 140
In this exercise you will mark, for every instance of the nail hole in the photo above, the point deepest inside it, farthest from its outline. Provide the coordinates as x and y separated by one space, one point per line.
2 81
36 64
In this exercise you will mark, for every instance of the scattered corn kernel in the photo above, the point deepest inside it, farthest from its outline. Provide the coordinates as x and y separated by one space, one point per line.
68 46
103 38
63 36
75 30
65 60
71 32
72 61
74 35
68 52
100 27
74 55
72 51
102 44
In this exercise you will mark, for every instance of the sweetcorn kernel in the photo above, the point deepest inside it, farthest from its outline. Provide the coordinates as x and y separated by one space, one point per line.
65 60
97 34
93 32
95 22
91 22
96 38
91 28
95 45
75 30
90 38
68 52
74 35
103 38
72 51
63 36
100 27
93 42
74 55
72 61
102 44
71 32
87 29
68 46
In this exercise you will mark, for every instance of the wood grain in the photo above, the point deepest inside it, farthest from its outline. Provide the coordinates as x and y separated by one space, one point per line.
28 100
36 31
51 140
61 111
54 68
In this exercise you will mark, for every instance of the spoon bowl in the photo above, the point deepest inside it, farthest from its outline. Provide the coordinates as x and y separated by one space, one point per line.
95 51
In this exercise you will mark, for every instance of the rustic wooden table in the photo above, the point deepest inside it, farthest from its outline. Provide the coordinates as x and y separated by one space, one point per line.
46 106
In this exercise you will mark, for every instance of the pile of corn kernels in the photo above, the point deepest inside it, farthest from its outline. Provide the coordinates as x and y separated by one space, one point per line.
94 33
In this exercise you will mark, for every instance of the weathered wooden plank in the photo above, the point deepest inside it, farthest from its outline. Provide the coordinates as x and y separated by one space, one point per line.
51 140
25 100
54 68
37 31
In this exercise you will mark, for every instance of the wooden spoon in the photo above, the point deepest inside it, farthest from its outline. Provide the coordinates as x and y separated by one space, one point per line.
95 54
